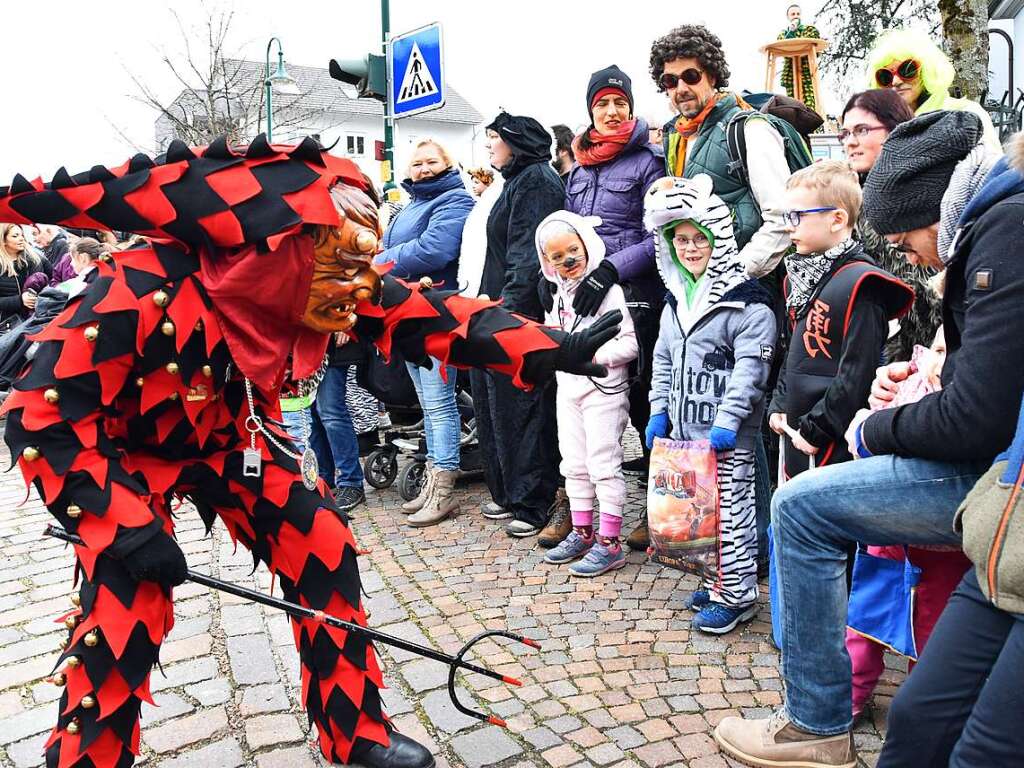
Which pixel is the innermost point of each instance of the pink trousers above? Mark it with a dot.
(941, 571)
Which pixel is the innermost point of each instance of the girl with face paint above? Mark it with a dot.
(591, 414)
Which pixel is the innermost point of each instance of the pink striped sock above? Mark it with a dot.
(582, 518)
(610, 526)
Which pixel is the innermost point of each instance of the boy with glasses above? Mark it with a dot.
(838, 305)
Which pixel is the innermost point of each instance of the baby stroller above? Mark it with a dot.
(391, 384)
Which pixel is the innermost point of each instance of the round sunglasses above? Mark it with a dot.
(907, 70)
(669, 81)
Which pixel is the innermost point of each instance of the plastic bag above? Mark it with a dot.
(682, 506)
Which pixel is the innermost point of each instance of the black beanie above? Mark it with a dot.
(904, 189)
(609, 77)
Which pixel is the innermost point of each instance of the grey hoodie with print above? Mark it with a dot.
(714, 353)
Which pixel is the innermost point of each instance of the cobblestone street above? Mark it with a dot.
(619, 680)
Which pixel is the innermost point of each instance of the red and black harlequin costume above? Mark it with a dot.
(135, 399)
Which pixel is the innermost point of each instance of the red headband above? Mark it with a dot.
(607, 91)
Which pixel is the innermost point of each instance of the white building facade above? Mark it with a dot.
(329, 110)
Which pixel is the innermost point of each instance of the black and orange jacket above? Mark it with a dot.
(835, 345)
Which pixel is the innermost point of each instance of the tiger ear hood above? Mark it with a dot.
(671, 200)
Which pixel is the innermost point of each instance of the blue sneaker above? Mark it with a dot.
(698, 599)
(717, 619)
(600, 559)
(572, 548)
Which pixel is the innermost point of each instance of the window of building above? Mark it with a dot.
(355, 145)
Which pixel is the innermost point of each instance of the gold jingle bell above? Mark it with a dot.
(91, 333)
(160, 298)
(167, 328)
(31, 453)
(58, 679)
(88, 702)
(91, 638)
(207, 371)
(74, 662)
(199, 325)
(172, 368)
(172, 396)
(71, 622)
(72, 727)
(138, 382)
(426, 282)
(76, 599)
(74, 511)
(51, 395)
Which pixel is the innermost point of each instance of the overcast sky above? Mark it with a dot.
(68, 63)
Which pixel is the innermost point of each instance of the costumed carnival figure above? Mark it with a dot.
(794, 29)
(160, 383)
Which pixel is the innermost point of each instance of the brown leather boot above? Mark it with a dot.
(428, 481)
(639, 539)
(775, 741)
(559, 523)
(441, 503)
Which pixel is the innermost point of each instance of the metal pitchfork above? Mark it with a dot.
(454, 663)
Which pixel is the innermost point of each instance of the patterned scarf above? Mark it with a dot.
(686, 129)
(968, 176)
(806, 272)
(604, 147)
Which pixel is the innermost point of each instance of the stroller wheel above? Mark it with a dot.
(380, 468)
(410, 479)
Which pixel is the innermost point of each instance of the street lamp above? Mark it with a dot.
(280, 81)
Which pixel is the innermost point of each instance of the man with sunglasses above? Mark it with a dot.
(689, 65)
(909, 62)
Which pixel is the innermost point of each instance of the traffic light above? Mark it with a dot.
(368, 74)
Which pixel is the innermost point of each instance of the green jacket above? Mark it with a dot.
(710, 155)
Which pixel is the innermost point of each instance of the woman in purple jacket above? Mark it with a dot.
(615, 165)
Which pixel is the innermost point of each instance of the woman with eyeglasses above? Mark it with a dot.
(867, 120)
(909, 62)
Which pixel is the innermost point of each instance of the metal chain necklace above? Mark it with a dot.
(252, 459)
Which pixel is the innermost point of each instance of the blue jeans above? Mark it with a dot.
(815, 518)
(962, 705)
(440, 414)
(333, 436)
(295, 422)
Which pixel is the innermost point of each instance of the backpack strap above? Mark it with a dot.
(736, 145)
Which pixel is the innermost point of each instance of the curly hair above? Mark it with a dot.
(690, 41)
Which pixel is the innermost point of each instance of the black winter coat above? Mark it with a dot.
(511, 270)
(11, 288)
(972, 417)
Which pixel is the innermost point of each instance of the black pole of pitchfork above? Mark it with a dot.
(454, 663)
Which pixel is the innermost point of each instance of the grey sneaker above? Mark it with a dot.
(600, 559)
(492, 511)
(572, 548)
(520, 529)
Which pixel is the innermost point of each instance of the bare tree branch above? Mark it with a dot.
(222, 94)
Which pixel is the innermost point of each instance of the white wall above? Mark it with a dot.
(997, 57)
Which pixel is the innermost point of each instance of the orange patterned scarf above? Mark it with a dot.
(686, 128)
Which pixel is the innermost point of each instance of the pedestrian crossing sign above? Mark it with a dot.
(416, 70)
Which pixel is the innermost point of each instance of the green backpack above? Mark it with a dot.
(798, 154)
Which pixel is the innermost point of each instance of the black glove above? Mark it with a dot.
(158, 558)
(546, 291)
(594, 288)
(576, 354)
